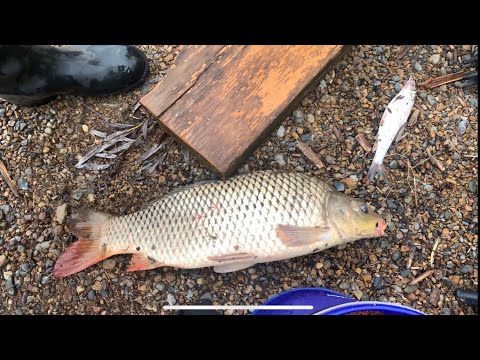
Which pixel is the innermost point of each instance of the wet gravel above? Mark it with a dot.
(425, 208)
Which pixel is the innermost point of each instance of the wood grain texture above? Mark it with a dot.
(223, 102)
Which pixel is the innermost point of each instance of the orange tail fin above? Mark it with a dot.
(87, 225)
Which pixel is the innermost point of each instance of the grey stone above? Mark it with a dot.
(91, 295)
(344, 286)
(423, 95)
(462, 126)
(378, 282)
(396, 78)
(77, 194)
(330, 160)
(206, 296)
(472, 186)
(279, 158)
(410, 289)
(306, 137)
(391, 204)
(398, 87)
(339, 185)
(281, 131)
(393, 164)
(160, 286)
(418, 67)
(298, 116)
(22, 184)
(45, 279)
(434, 59)
(396, 256)
(466, 269)
(431, 100)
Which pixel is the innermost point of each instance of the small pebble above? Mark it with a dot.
(77, 194)
(391, 204)
(109, 264)
(330, 160)
(310, 118)
(418, 67)
(396, 78)
(462, 126)
(431, 100)
(434, 59)
(281, 131)
(339, 186)
(472, 186)
(279, 158)
(398, 87)
(466, 269)
(22, 184)
(410, 289)
(423, 95)
(298, 116)
(393, 164)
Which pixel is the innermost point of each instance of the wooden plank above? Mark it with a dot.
(222, 107)
(190, 63)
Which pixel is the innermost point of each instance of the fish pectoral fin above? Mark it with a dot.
(400, 133)
(235, 266)
(143, 262)
(291, 235)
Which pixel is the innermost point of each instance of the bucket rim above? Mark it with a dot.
(346, 308)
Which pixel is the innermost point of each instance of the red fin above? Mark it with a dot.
(232, 257)
(89, 249)
(292, 235)
(143, 262)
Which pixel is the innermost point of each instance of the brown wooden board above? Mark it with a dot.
(222, 101)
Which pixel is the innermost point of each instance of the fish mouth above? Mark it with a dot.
(381, 226)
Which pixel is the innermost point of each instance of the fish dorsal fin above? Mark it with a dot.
(143, 262)
(293, 236)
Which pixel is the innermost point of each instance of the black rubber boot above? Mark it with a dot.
(34, 75)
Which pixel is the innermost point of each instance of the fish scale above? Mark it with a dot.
(232, 224)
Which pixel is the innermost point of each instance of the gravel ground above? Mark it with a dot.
(425, 207)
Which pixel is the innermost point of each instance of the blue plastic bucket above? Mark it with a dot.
(329, 302)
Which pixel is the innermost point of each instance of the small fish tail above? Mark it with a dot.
(88, 226)
(377, 168)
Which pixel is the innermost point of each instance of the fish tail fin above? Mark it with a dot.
(89, 249)
(377, 168)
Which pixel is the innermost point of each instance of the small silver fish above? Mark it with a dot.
(392, 124)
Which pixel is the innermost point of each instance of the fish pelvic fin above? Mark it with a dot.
(377, 168)
(89, 249)
(143, 262)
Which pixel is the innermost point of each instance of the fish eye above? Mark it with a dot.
(364, 208)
